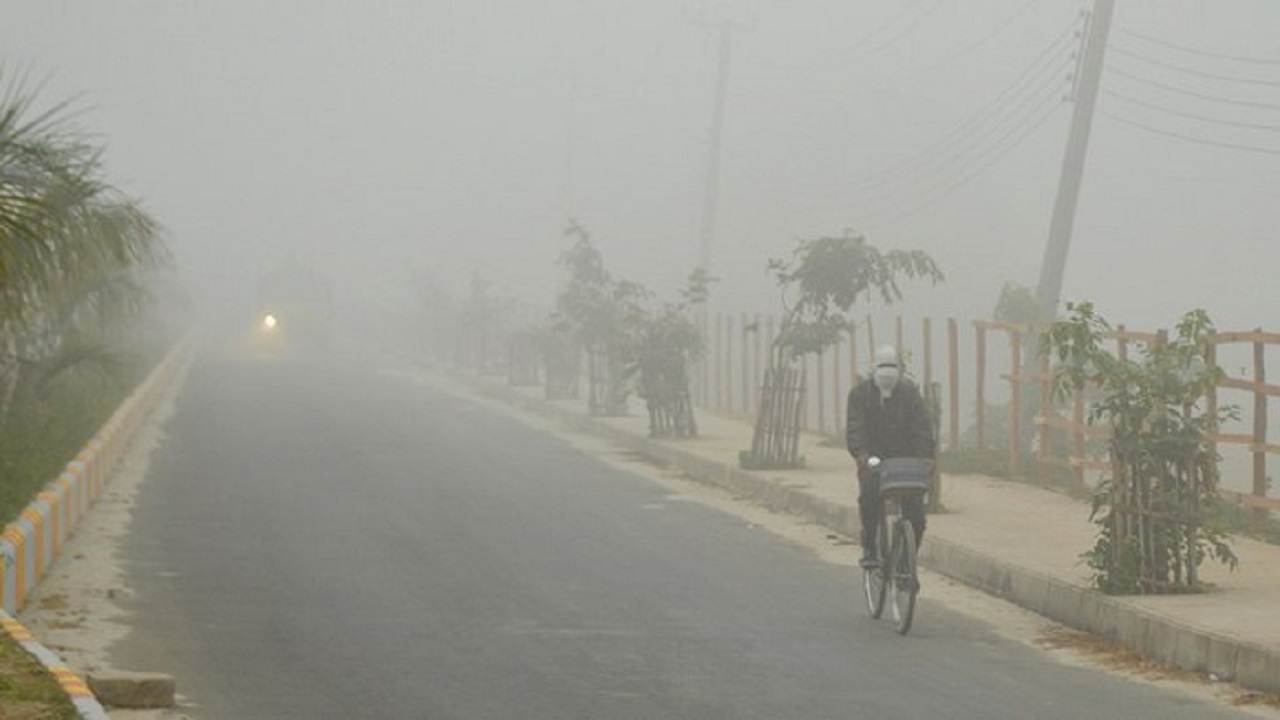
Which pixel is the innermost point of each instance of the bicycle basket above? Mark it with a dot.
(905, 476)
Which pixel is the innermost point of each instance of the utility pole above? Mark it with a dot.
(1088, 78)
(1053, 267)
(712, 196)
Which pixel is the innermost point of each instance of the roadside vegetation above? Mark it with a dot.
(820, 284)
(1155, 512)
(27, 692)
(79, 269)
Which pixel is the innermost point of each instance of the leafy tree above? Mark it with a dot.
(79, 262)
(1154, 513)
(440, 314)
(825, 277)
(59, 218)
(821, 282)
(483, 321)
(604, 315)
(1018, 305)
(668, 343)
(74, 251)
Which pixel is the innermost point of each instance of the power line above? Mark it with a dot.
(1189, 71)
(902, 12)
(1190, 138)
(950, 61)
(1050, 92)
(1196, 51)
(959, 182)
(1036, 76)
(905, 31)
(874, 42)
(1192, 93)
(996, 31)
(953, 175)
(1268, 127)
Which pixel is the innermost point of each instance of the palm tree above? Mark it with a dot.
(71, 245)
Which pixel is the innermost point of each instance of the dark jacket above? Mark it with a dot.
(898, 426)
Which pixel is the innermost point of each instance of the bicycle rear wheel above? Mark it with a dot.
(903, 583)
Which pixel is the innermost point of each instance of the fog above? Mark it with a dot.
(373, 139)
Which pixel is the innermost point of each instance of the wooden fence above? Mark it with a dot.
(983, 382)
(1256, 441)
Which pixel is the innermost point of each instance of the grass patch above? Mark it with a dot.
(36, 445)
(27, 690)
(37, 441)
(44, 433)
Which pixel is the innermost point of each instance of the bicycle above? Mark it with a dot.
(895, 574)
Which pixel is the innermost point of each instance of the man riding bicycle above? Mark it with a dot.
(887, 418)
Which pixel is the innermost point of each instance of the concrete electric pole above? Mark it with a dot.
(1054, 266)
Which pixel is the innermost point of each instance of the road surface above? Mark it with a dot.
(339, 541)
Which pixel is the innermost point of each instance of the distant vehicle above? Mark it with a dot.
(295, 309)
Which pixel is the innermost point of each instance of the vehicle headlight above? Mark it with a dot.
(269, 322)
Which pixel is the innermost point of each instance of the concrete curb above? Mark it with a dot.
(1165, 640)
(30, 545)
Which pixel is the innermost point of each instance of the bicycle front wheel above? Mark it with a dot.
(874, 589)
(904, 583)
(875, 580)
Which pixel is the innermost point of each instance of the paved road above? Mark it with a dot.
(323, 542)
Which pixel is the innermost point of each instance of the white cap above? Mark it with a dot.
(887, 356)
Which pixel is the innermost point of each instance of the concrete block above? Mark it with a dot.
(1258, 668)
(1088, 607)
(1222, 657)
(1190, 649)
(1133, 630)
(1163, 639)
(1109, 618)
(123, 689)
(1057, 601)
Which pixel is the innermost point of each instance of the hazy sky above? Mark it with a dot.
(377, 137)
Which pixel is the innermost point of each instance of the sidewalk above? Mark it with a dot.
(1012, 540)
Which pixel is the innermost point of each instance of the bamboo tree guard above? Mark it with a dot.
(562, 360)
(822, 392)
(980, 384)
(606, 386)
(775, 444)
(523, 367)
(1154, 519)
(953, 360)
(668, 401)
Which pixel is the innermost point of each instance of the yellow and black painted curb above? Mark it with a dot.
(72, 684)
